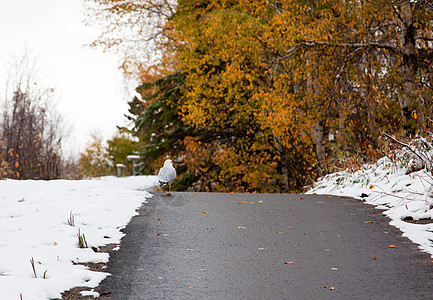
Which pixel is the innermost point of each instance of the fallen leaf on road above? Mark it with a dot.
(166, 234)
(290, 227)
(374, 258)
(241, 227)
(288, 262)
(260, 201)
(368, 222)
(191, 287)
(301, 198)
(261, 248)
(158, 233)
(204, 212)
(392, 246)
(280, 232)
(329, 287)
(334, 269)
(189, 249)
(243, 202)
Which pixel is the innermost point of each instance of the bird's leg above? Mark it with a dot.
(169, 189)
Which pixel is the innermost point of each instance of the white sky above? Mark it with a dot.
(91, 89)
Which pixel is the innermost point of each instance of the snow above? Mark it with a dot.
(40, 221)
(391, 186)
(90, 293)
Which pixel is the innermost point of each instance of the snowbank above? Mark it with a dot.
(387, 185)
(40, 221)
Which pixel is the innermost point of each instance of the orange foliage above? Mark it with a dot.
(270, 86)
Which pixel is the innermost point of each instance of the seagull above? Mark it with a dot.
(167, 174)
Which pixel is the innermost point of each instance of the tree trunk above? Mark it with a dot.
(408, 68)
(320, 147)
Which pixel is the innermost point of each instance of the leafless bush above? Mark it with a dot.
(30, 128)
(419, 154)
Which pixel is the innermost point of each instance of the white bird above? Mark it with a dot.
(167, 174)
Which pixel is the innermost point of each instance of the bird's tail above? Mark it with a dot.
(161, 183)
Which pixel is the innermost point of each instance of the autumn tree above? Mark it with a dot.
(276, 93)
(119, 147)
(95, 160)
(139, 31)
(380, 58)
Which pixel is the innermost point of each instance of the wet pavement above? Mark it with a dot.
(264, 246)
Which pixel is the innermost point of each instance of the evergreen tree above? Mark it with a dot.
(159, 126)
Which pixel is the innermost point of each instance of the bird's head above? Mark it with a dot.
(168, 163)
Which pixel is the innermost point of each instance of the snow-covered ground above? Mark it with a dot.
(40, 222)
(387, 186)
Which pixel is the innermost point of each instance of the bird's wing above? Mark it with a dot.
(172, 174)
(167, 174)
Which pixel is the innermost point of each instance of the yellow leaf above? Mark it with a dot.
(392, 246)
(368, 222)
(243, 202)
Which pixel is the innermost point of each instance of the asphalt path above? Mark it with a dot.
(264, 246)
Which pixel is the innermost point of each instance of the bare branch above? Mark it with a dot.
(423, 159)
(390, 47)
